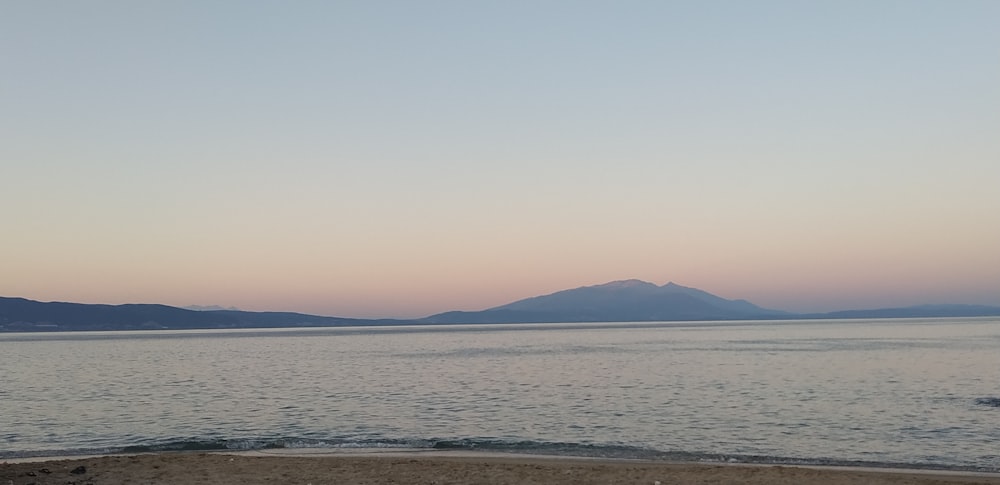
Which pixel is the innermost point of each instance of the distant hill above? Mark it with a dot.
(918, 311)
(618, 301)
(19, 314)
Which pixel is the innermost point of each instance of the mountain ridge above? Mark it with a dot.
(22, 314)
(615, 301)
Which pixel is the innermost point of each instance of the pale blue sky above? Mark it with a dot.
(403, 158)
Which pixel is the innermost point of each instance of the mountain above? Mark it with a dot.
(618, 301)
(19, 314)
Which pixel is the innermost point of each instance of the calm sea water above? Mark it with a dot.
(891, 392)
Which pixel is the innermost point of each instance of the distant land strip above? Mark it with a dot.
(617, 301)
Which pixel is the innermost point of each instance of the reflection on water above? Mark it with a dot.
(884, 391)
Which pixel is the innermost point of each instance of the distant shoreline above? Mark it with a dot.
(617, 301)
(50, 329)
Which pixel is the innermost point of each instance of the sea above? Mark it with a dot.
(908, 393)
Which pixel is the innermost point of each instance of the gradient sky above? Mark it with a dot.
(400, 158)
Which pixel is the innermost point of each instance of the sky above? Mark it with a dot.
(399, 159)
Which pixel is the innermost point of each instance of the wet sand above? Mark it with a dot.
(435, 468)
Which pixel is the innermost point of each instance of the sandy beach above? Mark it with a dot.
(434, 468)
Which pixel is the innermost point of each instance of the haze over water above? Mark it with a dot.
(900, 392)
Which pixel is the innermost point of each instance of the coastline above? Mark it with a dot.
(364, 466)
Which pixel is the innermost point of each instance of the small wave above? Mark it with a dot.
(638, 453)
(276, 443)
(989, 401)
(202, 445)
(499, 445)
(547, 448)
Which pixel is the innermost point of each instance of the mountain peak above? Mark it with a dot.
(630, 283)
(209, 308)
